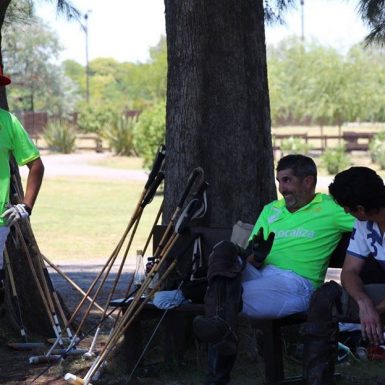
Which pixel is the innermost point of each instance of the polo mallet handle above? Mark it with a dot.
(152, 190)
(71, 282)
(191, 180)
(156, 166)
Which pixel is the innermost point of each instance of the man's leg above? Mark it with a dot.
(222, 306)
(320, 334)
(274, 292)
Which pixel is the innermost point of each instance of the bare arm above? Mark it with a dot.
(371, 326)
(34, 179)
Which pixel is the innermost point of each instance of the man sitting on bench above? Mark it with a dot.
(286, 259)
(361, 192)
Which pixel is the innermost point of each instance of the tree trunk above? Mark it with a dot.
(218, 107)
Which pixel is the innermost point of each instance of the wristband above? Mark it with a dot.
(27, 209)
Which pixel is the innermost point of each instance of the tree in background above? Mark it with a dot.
(38, 84)
(313, 84)
(149, 132)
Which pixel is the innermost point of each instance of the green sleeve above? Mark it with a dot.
(261, 222)
(23, 149)
(343, 220)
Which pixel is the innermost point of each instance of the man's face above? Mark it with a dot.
(362, 215)
(297, 192)
(358, 213)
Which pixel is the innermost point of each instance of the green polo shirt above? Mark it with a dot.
(13, 140)
(305, 238)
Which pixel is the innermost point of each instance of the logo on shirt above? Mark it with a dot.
(276, 213)
(295, 233)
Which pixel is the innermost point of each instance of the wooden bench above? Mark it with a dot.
(176, 326)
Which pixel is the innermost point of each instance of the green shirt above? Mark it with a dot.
(305, 238)
(13, 140)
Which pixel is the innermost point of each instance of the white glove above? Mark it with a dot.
(15, 213)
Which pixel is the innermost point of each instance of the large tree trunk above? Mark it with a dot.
(218, 107)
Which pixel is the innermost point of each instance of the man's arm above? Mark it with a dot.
(371, 326)
(34, 179)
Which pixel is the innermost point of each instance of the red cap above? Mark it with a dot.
(4, 80)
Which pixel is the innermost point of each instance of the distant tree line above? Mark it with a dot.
(316, 85)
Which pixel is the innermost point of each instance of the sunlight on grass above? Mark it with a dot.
(77, 220)
(120, 162)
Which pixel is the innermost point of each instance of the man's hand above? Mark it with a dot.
(15, 213)
(258, 248)
(371, 325)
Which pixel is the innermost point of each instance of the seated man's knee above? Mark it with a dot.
(323, 300)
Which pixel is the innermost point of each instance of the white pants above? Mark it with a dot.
(271, 292)
(4, 231)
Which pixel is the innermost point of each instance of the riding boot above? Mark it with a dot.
(320, 335)
(219, 367)
(222, 305)
(320, 353)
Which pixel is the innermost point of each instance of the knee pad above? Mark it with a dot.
(224, 261)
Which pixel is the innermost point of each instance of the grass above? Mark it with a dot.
(120, 162)
(82, 219)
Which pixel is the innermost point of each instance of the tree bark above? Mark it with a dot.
(218, 107)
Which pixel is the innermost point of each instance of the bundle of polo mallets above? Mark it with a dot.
(40, 275)
(179, 221)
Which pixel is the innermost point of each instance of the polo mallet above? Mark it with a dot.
(109, 263)
(16, 304)
(125, 320)
(90, 353)
(148, 198)
(47, 305)
(166, 274)
(36, 264)
(70, 281)
(15, 298)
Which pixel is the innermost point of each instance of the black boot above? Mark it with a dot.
(320, 353)
(320, 335)
(219, 367)
(222, 305)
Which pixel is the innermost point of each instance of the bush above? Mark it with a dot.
(149, 133)
(119, 134)
(60, 137)
(335, 159)
(294, 145)
(94, 119)
(377, 149)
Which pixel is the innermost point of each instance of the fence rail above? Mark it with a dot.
(354, 141)
(83, 142)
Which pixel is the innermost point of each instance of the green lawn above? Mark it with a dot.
(82, 219)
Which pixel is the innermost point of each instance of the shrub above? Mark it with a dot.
(294, 145)
(60, 137)
(149, 133)
(335, 160)
(377, 149)
(94, 119)
(119, 134)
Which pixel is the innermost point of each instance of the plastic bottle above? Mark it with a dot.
(139, 269)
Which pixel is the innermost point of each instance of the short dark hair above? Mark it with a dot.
(358, 186)
(301, 165)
